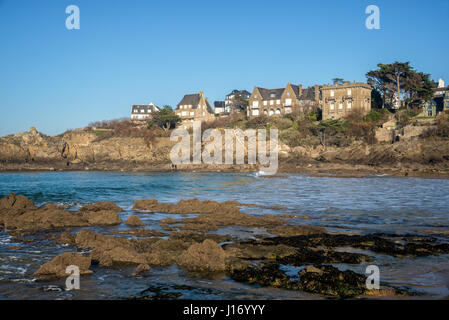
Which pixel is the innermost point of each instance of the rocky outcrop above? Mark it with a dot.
(134, 221)
(40, 219)
(16, 202)
(109, 251)
(103, 218)
(207, 256)
(79, 146)
(141, 269)
(101, 206)
(57, 267)
(18, 212)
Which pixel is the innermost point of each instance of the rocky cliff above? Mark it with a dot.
(80, 147)
(83, 150)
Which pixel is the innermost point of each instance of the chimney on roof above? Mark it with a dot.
(201, 93)
(300, 90)
(317, 94)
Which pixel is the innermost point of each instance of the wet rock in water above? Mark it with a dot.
(187, 206)
(266, 275)
(14, 201)
(15, 248)
(139, 233)
(233, 218)
(101, 206)
(57, 267)
(295, 256)
(134, 221)
(102, 217)
(235, 264)
(141, 269)
(328, 280)
(312, 255)
(145, 204)
(66, 238)
(207, 256)
(166, 252)
(117, 256)
(41, 219)
(394, 245)
(287, 231)
(187, 235)
(258, 251)
(110, 251)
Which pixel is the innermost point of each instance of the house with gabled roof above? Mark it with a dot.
(194, 107)
(283, 101)
(142, 112)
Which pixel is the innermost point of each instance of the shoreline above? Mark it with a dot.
(325, 170)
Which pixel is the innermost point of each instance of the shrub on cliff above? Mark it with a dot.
(126, 128)
(165, 119)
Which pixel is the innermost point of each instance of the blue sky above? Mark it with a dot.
(131, 52)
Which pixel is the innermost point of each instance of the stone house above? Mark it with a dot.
(282, 101)
(142, 112)
(194, 107)
(339, 100)
(236, 101)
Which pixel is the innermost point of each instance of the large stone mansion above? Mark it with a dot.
(194, 107)
(338, 100)
(292, 98)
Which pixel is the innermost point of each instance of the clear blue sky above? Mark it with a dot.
(131, 52)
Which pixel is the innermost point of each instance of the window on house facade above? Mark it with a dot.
(288, 110)
(271, 112)
(332, 93)
(255, 104)
(278, 111)
(256, 112)
(271, 102)
(288, 102)
(349, 92)
(265, 103)
(332, 106)
(349, 105)
(340, 106)
(278, 101)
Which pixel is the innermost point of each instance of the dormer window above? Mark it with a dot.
(272, 95)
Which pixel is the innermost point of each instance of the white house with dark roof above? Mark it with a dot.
(194, 107)
(142, 112)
